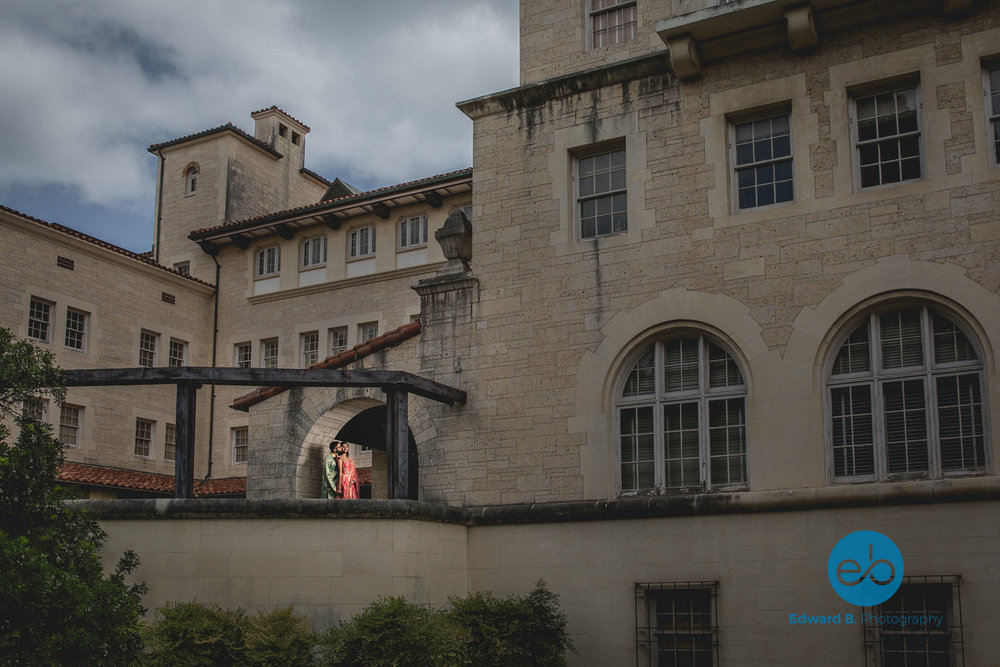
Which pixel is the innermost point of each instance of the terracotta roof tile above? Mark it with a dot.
(135, 480)
(275, 108)
(359, 351)
(329, 203)
(144, 257)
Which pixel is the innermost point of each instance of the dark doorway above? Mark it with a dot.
(368, 430)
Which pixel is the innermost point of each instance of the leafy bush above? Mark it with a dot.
(57, 606)
(279, 637)
(479, 629)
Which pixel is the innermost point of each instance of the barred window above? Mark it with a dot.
(920, 625)
(906, 394)
(682, 418)
(39, 319)
(677, 624)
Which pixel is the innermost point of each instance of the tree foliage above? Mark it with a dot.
(57, 607)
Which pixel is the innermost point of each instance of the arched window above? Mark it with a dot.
(681, 418)
(191, 180)
(905, 393)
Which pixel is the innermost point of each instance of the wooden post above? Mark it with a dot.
(187, 394)
(397, 439)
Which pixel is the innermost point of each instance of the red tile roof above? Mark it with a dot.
(388, 339)
(134, 480)
(274, 108)
(144, 257)
(332, 203)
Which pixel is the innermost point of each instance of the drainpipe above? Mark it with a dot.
(159, 207)
(215, 349)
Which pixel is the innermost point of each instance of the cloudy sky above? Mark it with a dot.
(86, 87)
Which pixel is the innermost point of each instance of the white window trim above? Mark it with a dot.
(306, 251)
(233, 442)
(248, 346)
(78, 426)
(261, 262)
(361, 331)
(172, 359)
(304, 348)
(592, 151)
(592, 14)
(155, 338)
(169, 428)
(877, 377)
(866, 90)
(404, 232)
(739, 119)
(264, 358)
(354, 239)
(191, 174)
(150, 442)
(332, 337)
(50, 308)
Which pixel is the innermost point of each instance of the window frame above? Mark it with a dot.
(404, 229)
(734, 122)
(648, 633)
(151, 349)
(594, 152)
(309, 348)
(355, 242)
(991, 95)
(892, 86)
(191, 180)
(65, 426)
(240, 359)
(362, 333)
(176, 353)
(334, 337)
(80, 332)
(267, 262)
(170, 442)
(877, 634)
(143, 437)
(38, 321)
(660, 398)
(621, 29)
(266, 359)
(876, 378)
(312, 253)
(240, 442)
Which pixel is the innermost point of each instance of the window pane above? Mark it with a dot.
(950, 343)
(727, 440)
(853, 436)
(901, 339)
(681, 364)
(960, 422)
(905, 426)
(722, 368)
(642, 377)
(680, 430)
(636, 447)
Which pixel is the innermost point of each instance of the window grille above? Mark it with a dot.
(904, 629)
(677, 623)
(167, 297)
(65, 263)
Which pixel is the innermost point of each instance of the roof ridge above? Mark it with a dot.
(221, 128)
(69, 231)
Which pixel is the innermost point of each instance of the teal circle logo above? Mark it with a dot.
(865, 568)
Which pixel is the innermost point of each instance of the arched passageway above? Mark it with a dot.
(367, 429)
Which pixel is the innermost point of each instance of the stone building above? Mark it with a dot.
(732, 296)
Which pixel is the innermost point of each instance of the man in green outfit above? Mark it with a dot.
(330, 471)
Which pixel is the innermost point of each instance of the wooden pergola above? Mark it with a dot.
(397, 385)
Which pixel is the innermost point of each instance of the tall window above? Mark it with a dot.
(920, 625)
(169, 442)
(191, 180)
(314, 252)
(602, 200)
(762, 161)
(338, 340)
(888, 136)
(269, 353)
(361, 242)
(177, 351)
(35, 410)
(39, 319)
(612, 22)
(413, 232)
(993, 109)
(677, 624)
(76, 329)
(242, 352)
(241, 443)
(310, 348)
(367, 331)
(147, 348)
(268, 262)
(69, 425)
(906, 393)
(143, 437)
(682, 418)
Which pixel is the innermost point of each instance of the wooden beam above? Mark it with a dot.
(276, 377)
(381, 210)
(434, 198)
(187, 394)
(397, 439)
(208, 248)
(240, 241)
(284, 231)
(331, 220)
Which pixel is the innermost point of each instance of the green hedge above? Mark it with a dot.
(479, 629)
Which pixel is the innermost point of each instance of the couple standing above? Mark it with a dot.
(340, 478)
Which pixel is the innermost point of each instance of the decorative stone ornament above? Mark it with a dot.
(455, 239)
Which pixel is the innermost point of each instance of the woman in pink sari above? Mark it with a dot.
(349, 487)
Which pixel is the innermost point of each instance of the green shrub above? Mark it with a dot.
(192, 633)
(397, 633)
(279, 638)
